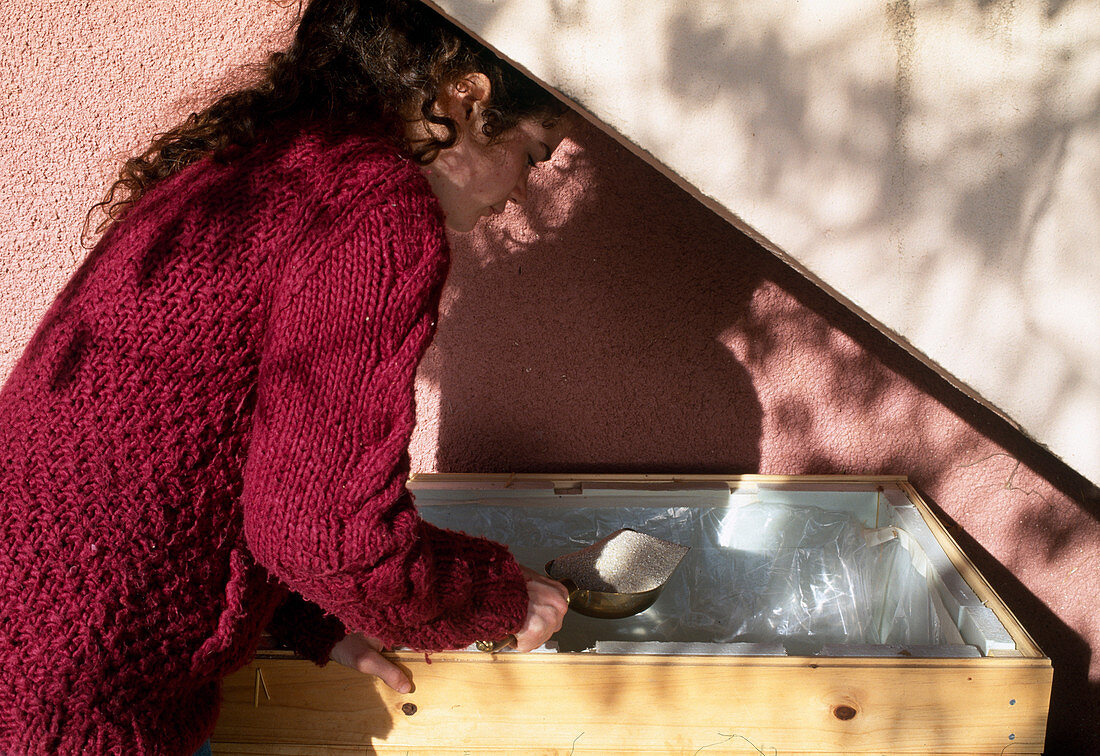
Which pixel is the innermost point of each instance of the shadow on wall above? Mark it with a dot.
(1074, 698)
(775, 86)
(965, 201)
(589, 343)
(619, 326)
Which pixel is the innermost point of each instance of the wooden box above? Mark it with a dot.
(983, 688)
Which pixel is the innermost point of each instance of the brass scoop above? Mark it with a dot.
(618, 576)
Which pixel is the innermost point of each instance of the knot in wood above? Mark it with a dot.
(844, 712)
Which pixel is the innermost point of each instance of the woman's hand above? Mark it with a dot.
(362, 653)
(547, 602)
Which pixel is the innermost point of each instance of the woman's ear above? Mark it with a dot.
(469, 96)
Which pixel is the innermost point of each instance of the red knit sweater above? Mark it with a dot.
(216, 409)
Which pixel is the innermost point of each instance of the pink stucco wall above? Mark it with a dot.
(612, 325)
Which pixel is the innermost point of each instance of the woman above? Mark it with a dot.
(208, 433)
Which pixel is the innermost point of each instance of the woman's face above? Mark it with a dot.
(478, 177)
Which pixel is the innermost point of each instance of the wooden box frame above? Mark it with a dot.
(465, 702)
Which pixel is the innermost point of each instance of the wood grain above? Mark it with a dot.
(467, 702)
(587, 704)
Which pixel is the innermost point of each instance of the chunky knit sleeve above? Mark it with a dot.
(325, 505)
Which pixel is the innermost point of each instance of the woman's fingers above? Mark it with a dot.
(547, 602)
(361, 653)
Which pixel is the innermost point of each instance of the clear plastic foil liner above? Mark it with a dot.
(757, 573)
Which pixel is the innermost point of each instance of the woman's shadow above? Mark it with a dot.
(584, 332)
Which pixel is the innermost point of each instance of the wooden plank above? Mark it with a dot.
(580, 703)
(498, 480)
(248, 749)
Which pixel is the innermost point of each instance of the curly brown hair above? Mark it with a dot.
(353, 65)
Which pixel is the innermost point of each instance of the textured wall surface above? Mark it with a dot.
(82, 86)
(936, 164)
(612, 325)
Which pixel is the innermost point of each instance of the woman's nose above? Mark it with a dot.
(519, 193)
